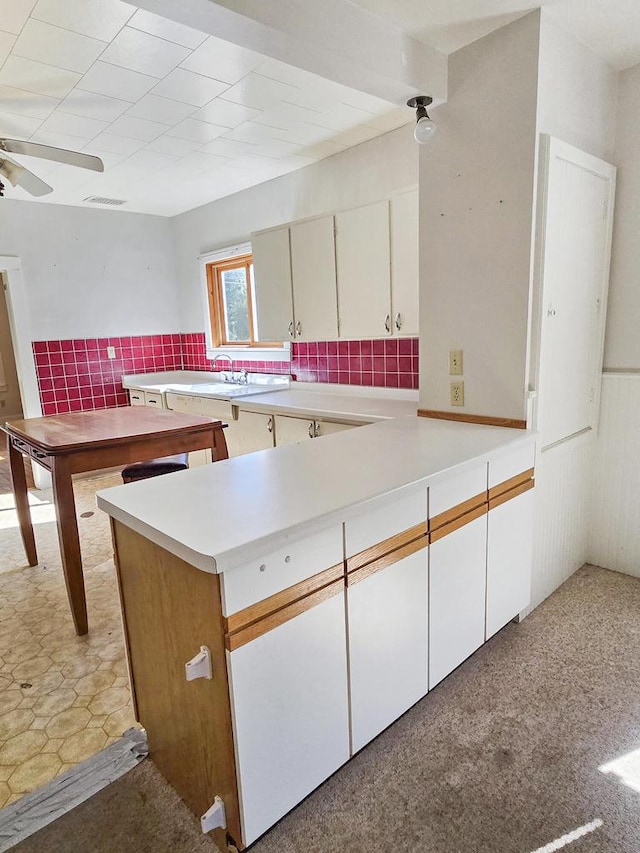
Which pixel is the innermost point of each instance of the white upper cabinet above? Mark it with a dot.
(313, 268)
(273, 287)
(363, 268)
(404, 263)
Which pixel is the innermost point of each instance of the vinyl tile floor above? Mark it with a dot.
(62, 697)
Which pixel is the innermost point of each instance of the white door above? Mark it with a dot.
(404, 263)
(313, 269)
(457, 584)
(572, 297)
(290, 707)
(387, 615)
(272, 283)
(293, 430)
(509, 558)
(255, 432)
(328, 428)
(364, 280)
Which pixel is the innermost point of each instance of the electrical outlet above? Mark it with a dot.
(457, 393)
(111, 352)
(455, 362)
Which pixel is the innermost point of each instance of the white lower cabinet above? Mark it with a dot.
(509, 558)
(387, 645)
(290, 712)
(329, 427)
(293, 430)
(457, 585)
(255, 432)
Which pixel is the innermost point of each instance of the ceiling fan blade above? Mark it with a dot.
(47, 152)
(18, 176)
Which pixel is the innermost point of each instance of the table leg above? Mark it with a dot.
(69, 540)
(220, 450)
(21, 495)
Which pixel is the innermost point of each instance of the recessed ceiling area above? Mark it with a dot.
(180, 118)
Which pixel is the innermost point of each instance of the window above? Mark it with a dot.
(231, 300)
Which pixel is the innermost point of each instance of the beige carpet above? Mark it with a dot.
(511, 752)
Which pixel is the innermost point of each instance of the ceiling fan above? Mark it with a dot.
(18, 175)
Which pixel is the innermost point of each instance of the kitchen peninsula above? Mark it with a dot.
(385, 555)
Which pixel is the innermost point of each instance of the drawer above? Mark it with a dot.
(152, 398)
(218, 409)
(136, 398)
(385, 518)
(179, 402)
(511, 463)
(279, 569)
(457, 493)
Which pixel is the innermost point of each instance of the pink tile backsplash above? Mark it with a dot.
(77, 375)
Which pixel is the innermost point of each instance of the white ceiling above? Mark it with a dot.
(611, 28)
(179, 118)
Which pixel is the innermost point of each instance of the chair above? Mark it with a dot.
(155, 467)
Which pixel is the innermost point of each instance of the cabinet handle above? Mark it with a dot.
(298, 329)
(291, 329)
(387, 322)
(398, 321)
(270, 424)
(311, 430)
(316, 430)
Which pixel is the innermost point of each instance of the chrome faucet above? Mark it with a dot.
(229, 359)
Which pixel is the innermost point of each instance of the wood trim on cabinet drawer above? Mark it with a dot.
(512, 493)
(370, 555)
(388, 559)
(511, 483)
(274, 620)
(255, 612)
(457, 511)
(457, 523)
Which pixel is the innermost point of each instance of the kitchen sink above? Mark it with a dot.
(223, 389)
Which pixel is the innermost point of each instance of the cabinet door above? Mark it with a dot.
(313, 269)
(457, 583)
(509, 557)
(327, 428)
(255, 432)
(136, 397)
(220, 410)
(387, 615)
(404, 263)
(180, 402)
(293, 430)
(272, 282)
(291, 721)
(362, 261)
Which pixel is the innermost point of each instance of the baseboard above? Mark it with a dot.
(463, 417)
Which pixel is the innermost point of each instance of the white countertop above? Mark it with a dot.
(218, 516)
(330, 404)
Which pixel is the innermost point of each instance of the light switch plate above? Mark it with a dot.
(111, 352)
(455, 362)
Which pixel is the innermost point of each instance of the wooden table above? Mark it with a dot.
(78, 442)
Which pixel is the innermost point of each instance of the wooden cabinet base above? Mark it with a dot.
(169, 610)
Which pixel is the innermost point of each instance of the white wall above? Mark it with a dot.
(368, 172)
(476, 208)
(92, 273)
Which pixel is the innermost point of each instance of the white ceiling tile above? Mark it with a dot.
(26, 103)
(320, 150)
(116, 82)
(311, 91)
(278, 148)
(391, 119)
(160, 109)
(7, 41)
(172, 145)
(229, 147)
(286, 116)
(59, 140)
(306, 134)
(145, 53)
(225, 113)
(18, 127)
(340, 117)
(116, 144)
(137, 128)
(260, 92)
(58, 47)
(355, 135)
(92, 105)
(36, 77)
(251, 132)
(101, 19)
(166, 29)
(14, 14)
(189, 88)
(73, 125)
(222, 60)
(196, 131)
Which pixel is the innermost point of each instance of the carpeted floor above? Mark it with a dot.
(505, 756)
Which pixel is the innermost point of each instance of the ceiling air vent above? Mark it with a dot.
(96, 199)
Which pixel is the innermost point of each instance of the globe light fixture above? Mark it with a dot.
(425, 128)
